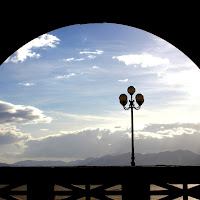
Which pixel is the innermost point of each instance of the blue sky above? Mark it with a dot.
(64, 87)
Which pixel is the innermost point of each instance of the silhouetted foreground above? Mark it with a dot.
(50, 183)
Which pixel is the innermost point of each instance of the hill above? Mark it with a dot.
(179, 157)
(34, 163)
(4, 165)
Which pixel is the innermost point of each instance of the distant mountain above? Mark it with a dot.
(81, 162)
(179, 157)
(4, 165)
(34, 163)
(108, 160)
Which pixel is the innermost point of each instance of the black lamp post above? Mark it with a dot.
(123, 100)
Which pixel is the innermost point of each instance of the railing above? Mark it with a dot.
(91, 183)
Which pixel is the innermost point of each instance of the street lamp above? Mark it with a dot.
(123, 100)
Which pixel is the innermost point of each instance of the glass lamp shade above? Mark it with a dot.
(131, 90)
(139, 99)
(123, 99)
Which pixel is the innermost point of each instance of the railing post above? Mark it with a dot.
(185, 191)
(40, 191)
(87, 188)
(135, 191)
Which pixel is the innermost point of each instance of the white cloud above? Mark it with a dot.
(82, 144)
(80, 59)
(20, 114)
(10, 134)
(83, 117)
(99, 142)
(91, 56)
(161, 131)
(66, 76)
(95, 67)
(44, 129)
(73, 59)
(26, 51)
(125, 80)
(68, 59)
(187, 80)
(167, 137)
(92, 52)
(97, 52)
(145, 60)
(27, 84)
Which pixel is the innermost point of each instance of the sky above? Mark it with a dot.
(59, 95)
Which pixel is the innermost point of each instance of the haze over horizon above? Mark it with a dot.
(59, 95)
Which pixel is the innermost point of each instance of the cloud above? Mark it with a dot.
(80, 59)
(10, 134)
(99, 142)
(81, 144)
(187, 80)
(73, 59)
(117, 127)
(95, 67)
(97, 52)
(66, 76)
(125, 80)
(145, 60)
(82, 117)
(168, 137)
(92, 52)
(91, 56)
(68, 59)
(161, 131)
(27, 84)
(175, 136)
(20, 114)
(170, 126)
(26, 51)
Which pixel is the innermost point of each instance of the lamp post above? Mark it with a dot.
(123, 100)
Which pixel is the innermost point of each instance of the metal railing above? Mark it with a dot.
(91, 183)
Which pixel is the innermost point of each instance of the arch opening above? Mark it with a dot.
(59, 97)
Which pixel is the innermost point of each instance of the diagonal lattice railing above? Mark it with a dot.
(93, 183)
(166, 191)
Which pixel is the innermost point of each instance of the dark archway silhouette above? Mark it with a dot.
(182, 35)
(179, 30)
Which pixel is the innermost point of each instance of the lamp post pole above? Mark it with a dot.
(132, 134)
(140, 100)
